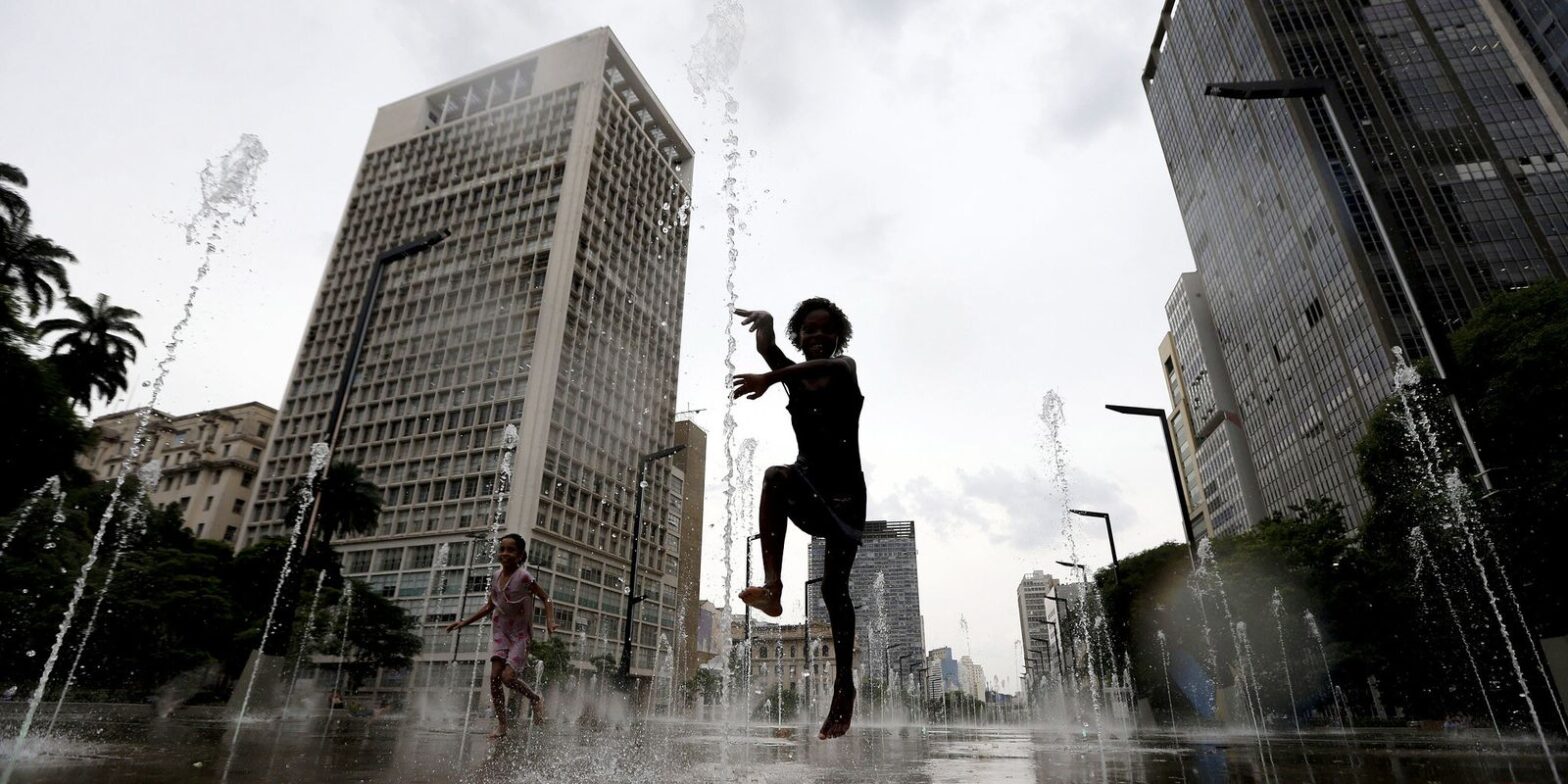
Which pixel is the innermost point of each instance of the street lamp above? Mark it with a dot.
(462, 596)
(1341, 122)
(1116, 566)
(749, 540)
(356, 345)
(806, 596)
(287, 606)
(1084, 570)
(632, 597)
(1170, 452)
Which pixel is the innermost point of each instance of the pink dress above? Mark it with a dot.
(512, 622)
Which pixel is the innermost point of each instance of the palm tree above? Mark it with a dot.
(95, 348)
(11, 202)
(31, 267)
(350, 503)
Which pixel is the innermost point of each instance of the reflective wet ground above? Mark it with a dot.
(119, 746)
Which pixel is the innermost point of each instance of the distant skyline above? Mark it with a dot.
(996, 219)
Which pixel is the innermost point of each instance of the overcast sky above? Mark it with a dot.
(977, 183)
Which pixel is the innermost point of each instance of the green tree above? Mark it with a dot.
(349, 503)
(705, 684)
(32, 268)
(44, 434)
(94, 348)
(381, 636)
(1512, 376)
(12, 205)
(556, 655)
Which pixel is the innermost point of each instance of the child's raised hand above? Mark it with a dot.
(752, 385)
(454, 626)
(761, 323)
(549, 626)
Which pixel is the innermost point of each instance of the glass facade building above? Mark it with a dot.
(554, 306)
(1465, 156)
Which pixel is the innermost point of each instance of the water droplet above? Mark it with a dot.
(31, 654)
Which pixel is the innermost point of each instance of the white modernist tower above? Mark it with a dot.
(554, 306)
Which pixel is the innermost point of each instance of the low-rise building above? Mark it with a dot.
(209, 461)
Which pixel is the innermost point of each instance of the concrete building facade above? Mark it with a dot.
(1211, 441)
(779, 659)
(554, 306)
(691, 475)
(889, 550)
(1465, 156)
(209, 458)
(1034, 610)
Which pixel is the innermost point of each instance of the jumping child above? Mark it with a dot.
(823, 491)
(511, 598)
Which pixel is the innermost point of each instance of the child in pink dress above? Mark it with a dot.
(511, 600)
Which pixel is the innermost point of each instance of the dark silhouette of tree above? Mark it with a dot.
(32, 268)
(12, 205)
(350, 503)
(94, 348)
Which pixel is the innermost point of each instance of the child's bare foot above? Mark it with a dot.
(500, 732)
(538, 706)
(765, 598)
(839, 715)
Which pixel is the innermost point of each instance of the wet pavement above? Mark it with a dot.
(122, 746)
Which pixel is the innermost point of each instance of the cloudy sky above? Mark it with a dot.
(977, 183)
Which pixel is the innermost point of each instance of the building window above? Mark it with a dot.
(263, 429)
(255, 453)
(239, 505)
(208, 505)
(229, 532)
(185, 503)
(246, 479)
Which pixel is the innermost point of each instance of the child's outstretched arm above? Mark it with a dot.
(549, 609)
(752, 385)
(761, 324)
(483, 611)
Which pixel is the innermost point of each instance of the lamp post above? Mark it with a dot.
(1170, 452)
(632, 597)
(749, 540)
(356, 345)
(286, 608)
(806, 635)
(1064, 619)
(1341, 122)
(1116, 565)
(1045, 663)
(462, 596)
(1082, 570)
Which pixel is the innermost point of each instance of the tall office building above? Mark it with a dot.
(888, 549)
(690, 477)
(1034, 611)
(1215, 457)
(555, 306)
(1307, 304)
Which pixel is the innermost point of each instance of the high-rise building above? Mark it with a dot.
(554, 306)
(1466, 159)
(689, 479)
(971, 679)
(1034, 611)
(888, 550)
(941, 673)
(1216, 461)
(209, 459)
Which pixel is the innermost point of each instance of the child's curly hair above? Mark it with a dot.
(804, 309)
